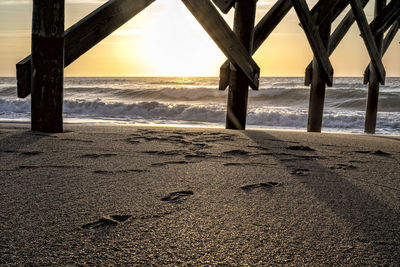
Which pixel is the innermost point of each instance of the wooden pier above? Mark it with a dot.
(41, 74)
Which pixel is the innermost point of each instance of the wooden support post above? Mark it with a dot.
(85, 34)
(47, 65)
(369, 39)
(335, 39)
(315, 40)
(373, 85)
(215, 25)
(261, 32)
(318, 85)
(245, 11)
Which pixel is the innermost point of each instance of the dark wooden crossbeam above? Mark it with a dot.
(336, 7)
(85, 34)
(208, 16)
(369, 40)
(386, 18)
(314, 38)
(336, 37)
(261, 32)
(386, 43)
(224, 5)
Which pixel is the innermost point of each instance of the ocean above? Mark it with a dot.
(281, 103)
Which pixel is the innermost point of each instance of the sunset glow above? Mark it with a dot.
(166, 40)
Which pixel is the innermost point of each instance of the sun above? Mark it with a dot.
(175, 44)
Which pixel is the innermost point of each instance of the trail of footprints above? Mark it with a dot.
(176, 197)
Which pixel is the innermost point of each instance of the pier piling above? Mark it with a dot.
(47, 65)
(373, 84)
(245, 11)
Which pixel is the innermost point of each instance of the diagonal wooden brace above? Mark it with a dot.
(386, 18)
(369, 40)
(224, 5)
(261, 32)
(85, 34)
(225, 38)
(335, 39)
(314, 38)
(386, 43)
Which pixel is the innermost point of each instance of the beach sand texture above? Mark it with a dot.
(115, 195)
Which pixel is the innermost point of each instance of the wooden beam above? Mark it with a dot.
(335, 8)
(225, 38)
(47, 65)
(314, 38)
(243, 26)
(261, 32)
(369, 40)
(386, 18)
(85, 34)
(386, 43)
(224, 5)
(373, 81)
(318, 85)
(336, 37)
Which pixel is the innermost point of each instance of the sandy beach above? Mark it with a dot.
(115, 195)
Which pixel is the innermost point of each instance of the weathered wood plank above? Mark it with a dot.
(373, 84)
(386, 43)
(318, 85)
(314, 38)
(334, 8)
(225, 38)
(47, 65)
(224, 5)
(261, 32)
(369, 40)
(336, 37)
(85, 34)
(245, 13)
(386, 18)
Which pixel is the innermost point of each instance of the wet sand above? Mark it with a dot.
(107, 195)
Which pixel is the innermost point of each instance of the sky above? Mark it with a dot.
(166, 40)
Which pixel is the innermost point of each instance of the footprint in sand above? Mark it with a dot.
(301, 172)
(377, 153)
(260, 185)
(161, 164)
(30, 153)
(300, 148)
(107, 221)
(341, 166)
(236, 152)
(177, 196)
(95, 156)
